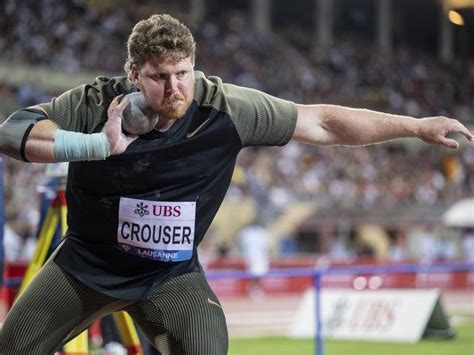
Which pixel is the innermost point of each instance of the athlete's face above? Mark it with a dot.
(168, 86)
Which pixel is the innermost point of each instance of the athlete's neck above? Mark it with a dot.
(164, 124)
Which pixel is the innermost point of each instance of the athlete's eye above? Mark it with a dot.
(158, 77)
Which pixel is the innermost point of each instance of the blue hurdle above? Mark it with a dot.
(318, 274)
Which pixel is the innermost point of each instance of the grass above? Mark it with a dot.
(463, 344)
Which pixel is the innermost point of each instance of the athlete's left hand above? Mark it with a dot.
(435, 129)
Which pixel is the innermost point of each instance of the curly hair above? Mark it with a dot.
(160, 36)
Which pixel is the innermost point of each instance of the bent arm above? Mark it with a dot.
(338, 125)
(38, 139)
(24, 123)
(39, 147)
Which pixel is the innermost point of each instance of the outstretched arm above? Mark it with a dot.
(338, 125)
(46, 143)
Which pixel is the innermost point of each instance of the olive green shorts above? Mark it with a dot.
(182, 317)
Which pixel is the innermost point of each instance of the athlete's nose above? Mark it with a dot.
(171, 84)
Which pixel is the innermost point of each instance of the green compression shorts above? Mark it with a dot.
(182, 317)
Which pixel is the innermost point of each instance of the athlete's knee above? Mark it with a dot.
(209, 340)
(214, 345)
(29, 329)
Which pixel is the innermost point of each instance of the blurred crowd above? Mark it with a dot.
(72, 36)
(336, 181)
(66, 35)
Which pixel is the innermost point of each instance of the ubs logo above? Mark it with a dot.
(141, 210)
(166, 211)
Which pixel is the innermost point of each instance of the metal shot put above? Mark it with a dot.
(138, 118)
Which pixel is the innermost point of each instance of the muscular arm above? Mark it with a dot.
(337, 125)
(39, 146)
(41, 141)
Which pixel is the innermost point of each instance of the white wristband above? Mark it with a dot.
(75, 146)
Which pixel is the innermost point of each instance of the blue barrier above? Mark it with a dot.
(318, 273)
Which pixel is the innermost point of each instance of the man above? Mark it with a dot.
(254, 246)
(139, 206)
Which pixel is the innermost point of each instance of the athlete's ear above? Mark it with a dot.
(135, 76)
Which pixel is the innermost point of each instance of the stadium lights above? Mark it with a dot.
(456, 18)
(458, 4)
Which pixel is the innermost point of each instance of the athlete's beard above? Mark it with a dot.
(173, 113)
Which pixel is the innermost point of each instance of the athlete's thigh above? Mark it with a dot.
(184, 317)
(52, 308)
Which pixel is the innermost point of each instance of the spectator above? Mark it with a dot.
(254, 245)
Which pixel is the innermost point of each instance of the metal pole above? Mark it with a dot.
(384, 25)
(446, 34)
(197, 11)
(319, 344)
(323, 26)
(261, 16)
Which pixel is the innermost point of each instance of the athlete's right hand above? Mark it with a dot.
(113, 127)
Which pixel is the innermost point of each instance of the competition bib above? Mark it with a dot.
(157, 230)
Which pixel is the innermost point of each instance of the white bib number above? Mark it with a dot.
(157, 230)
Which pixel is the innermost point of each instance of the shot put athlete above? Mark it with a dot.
(138, 206)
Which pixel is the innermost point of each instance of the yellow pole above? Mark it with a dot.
(78, 346)
(128, 333)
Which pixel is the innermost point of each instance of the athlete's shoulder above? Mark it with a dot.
(103, 90)
(213, 91)
(206, 88)
(84, 108)
(260, 118)
(117, 85)
(101, 87)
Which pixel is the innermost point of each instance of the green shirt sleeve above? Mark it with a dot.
(260, 119)
(84, 108)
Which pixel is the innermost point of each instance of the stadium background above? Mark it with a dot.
(320, 205)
